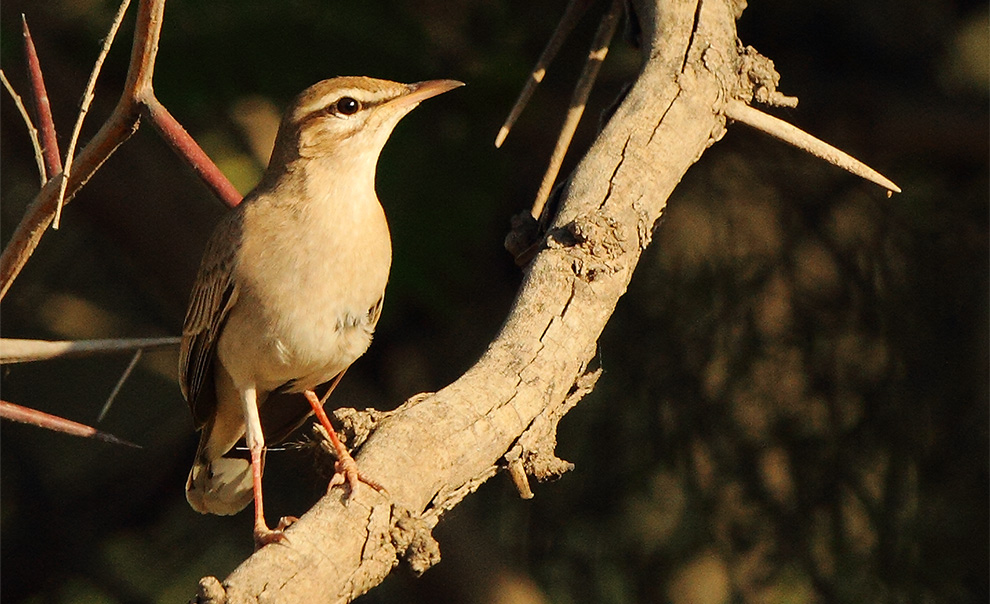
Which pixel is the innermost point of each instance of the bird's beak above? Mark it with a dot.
(420, 91)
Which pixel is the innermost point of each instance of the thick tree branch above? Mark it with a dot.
(437, 448)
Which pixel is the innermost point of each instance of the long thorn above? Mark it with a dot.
(43, 109)
(573, 12)
(26, 415)
(599, 48)
(87, 100)
(778, 128)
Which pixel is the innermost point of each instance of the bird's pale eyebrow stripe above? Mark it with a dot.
(364, 105)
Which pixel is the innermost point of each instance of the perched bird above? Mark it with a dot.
(290, 289)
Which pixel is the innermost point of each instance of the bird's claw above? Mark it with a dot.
(346, 470)
(264, 536)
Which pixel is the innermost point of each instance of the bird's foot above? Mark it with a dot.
(264, 536)
(346, 470)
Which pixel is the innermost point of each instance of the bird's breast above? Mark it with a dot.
(308, 286)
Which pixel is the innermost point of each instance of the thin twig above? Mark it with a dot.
(119, 385)
(43, 108)
(573, 12)
(779, 129)
(26, 415)
(87, 99)
(32, 131)
(599, 48)
(25, 351)
(187, 148)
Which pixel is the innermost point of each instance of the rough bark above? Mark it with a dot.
(437, 448)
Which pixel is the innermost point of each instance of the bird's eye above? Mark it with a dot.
(347, 106)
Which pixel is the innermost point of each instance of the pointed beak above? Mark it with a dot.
(420, 91)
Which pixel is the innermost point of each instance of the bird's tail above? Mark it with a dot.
(219, 486)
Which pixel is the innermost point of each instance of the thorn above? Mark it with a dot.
(519, 478)
(43, 108)
(573, 12)
(599, 49)
(120, 384)
(26, 415)
(87, 100)
(778, 128)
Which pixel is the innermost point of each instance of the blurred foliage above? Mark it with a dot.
(794, 403)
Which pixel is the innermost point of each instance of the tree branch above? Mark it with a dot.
(536, 367)
(123, 121)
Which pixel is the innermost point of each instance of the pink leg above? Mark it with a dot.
(345, 468)
(256, 444)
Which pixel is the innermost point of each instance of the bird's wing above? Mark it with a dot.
(214, 294)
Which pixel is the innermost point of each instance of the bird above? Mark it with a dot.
(290, 289)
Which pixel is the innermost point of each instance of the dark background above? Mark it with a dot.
(794, 399)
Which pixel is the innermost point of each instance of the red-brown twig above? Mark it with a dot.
(186, 147)
(41, 419)
(43, 109)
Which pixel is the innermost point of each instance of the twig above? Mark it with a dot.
(120, 384)
(43, 108)
(25, 351)
(87, 99)
(25, 415)
(573, 12)
(599, 48)
(32, 131)
(779, 129)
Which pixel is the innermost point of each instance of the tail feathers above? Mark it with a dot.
(222, 486)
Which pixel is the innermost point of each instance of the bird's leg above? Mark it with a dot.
(345, 467)
(256, 444)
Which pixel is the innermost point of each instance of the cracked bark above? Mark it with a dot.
(436, 449)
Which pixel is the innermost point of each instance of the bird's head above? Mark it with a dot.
(348, 116)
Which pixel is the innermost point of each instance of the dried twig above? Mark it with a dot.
(120, 384)
(573, 12)
(32, 131)
(87, 99)
(41, 419)
(49, 142)
(25, 351)
(599, 48)
(778, 128)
